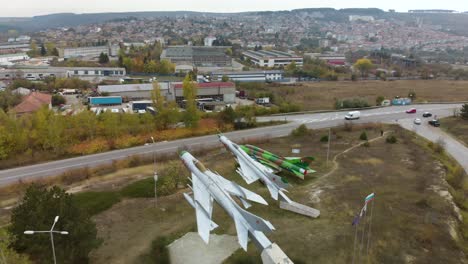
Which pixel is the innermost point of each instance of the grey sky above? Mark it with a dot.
(12, 8)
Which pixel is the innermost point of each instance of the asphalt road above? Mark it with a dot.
(320, 120)
(456, 149)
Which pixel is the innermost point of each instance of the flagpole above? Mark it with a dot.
(363, 232)
(369, 232)
(354, 244)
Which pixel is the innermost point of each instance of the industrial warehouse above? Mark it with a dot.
(272, 58)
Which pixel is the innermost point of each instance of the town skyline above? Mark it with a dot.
(29, 8)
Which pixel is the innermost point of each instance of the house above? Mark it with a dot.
(33, 102)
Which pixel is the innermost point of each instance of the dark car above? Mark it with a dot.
(427, 114)
(434, 123)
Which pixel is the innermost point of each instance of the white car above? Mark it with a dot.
(417, 121)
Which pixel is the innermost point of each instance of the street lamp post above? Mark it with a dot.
(51, 232)
(155, 176)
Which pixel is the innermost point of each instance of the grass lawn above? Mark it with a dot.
(457, 127)
(322, 95)
(412, 220)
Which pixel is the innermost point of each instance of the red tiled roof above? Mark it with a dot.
(209, 85)
(33, 102)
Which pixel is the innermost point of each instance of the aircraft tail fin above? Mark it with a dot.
(258, 223)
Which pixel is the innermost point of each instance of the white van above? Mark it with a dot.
(353, 115)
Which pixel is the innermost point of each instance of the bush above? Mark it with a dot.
(366, 144)
(324, 138)
(351, 103)
(301, 131)
(363, 136)
(391, 139)
(57, 100)
(379, 100)
(158, 252)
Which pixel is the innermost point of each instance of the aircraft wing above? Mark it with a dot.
(203, 208)
(245, 171)
(234, 189)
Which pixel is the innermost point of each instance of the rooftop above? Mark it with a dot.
(209, 85)
(269, 54)
(130, 87)
(33, 102)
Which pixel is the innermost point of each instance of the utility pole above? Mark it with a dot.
(328, 149)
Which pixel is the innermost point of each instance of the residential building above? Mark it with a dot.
(272, 58)
(354, 18)
(89, 52)
(32, 103)
(197, 56)
(249, 76)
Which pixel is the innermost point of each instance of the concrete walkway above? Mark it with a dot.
(452, 146)
(190, 249)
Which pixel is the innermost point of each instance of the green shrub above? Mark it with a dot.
(301, 131)
(363, 136)
(96, 202)
(158, 252)
(367, 144)
(351, 103)
(324, 138)
(391, 139)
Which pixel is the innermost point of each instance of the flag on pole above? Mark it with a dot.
(369, 198)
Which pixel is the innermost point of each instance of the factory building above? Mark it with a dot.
(216, 91)
(272, 58)
(134, 91)
(7, 59)
(249, 76)
(84, 73)
(197, 56)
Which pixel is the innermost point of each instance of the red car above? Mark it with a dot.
(411, 111)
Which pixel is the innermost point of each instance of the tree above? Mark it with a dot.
(103, 58)
(464, 111)
(191, 115)
(57, 100)
(55, 52)
(34, 50)
(291, 67)
(43, 50)
(37, 211)
(379, 100)
(363, 65)
(50, 47)
(166, 67)
(8, 254)
(225, 78)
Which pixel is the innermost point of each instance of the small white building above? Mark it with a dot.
(209, 41)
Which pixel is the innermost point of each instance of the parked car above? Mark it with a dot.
(411, 111)
(417, 121)
(434, 123)
(353, 115)
(427, 114)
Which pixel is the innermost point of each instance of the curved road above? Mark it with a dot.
(319, 120)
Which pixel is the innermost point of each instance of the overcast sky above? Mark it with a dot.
(11, 8)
